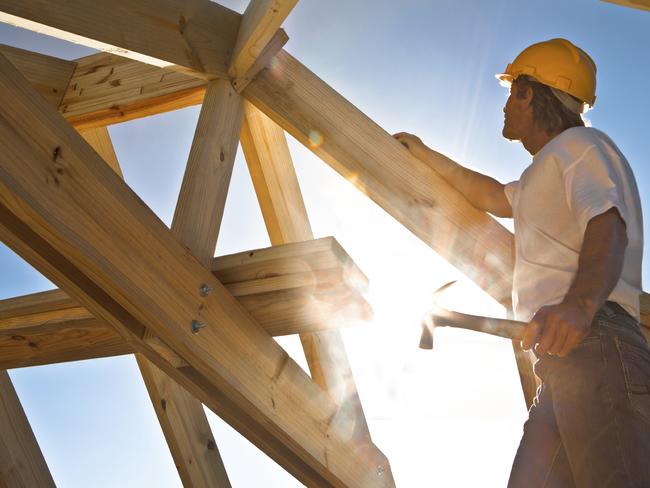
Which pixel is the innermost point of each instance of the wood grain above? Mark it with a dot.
(260, 22)
(196, 36)
(21, 460)
(54, 196)
(276, 184)
(289, 289)
(181, 416)
(49, 75)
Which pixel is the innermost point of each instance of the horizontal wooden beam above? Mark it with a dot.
(306, 286)
(54, 195)
(108, 89)
(195, 36)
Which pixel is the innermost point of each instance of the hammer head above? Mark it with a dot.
(426, 339)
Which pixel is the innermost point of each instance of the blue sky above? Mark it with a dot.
(450, 417)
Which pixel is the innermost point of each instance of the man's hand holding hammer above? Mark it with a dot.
(557, 329)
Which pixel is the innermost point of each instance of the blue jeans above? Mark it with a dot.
(589, 425)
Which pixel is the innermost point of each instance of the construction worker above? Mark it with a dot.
(577, 276)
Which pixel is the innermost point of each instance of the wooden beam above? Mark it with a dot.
(260, 22)
(202, 198)
(274, 178)
(107, 89)
(195, 36)
(186, 429)
(54, 196)
(100, 140)
(302, 287)
(384, 170)
(49, 75)
(21, 460)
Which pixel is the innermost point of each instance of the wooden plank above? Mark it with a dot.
(288, 289)
(21, 460)
(49, 75)
(260, 22)
(58, 342)
(276, 184)
(202, 198)
(195, 36)
(100, 140)
(186, 429)
(274, 178)
(127, 268)
(108, 89)
(374, 162)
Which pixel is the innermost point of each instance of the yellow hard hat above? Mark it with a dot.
(557, 63)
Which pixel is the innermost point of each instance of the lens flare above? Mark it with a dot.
(316, 139)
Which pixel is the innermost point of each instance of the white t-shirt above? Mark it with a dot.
(578, 175)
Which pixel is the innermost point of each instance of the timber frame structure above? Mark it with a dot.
(202, 327)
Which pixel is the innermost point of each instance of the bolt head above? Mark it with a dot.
(205, 289)
(196, 326)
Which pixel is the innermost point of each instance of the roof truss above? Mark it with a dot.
(74, 246)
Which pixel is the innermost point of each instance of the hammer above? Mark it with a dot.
(440, 317)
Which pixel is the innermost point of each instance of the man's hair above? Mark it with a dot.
(549, 113)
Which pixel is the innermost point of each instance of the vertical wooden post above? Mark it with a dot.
(269, 161)
(21, 460)
(196, 223)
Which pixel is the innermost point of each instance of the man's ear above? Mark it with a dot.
(528, 97)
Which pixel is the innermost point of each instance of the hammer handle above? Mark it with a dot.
(510, 329)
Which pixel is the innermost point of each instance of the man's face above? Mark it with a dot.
(517, 115)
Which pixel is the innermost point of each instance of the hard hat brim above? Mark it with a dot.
(505, 79)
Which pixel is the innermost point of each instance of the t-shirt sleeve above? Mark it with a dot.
(592, 186)
(509, 189)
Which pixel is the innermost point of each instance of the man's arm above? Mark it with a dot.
(483, 192)
(557, 329)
